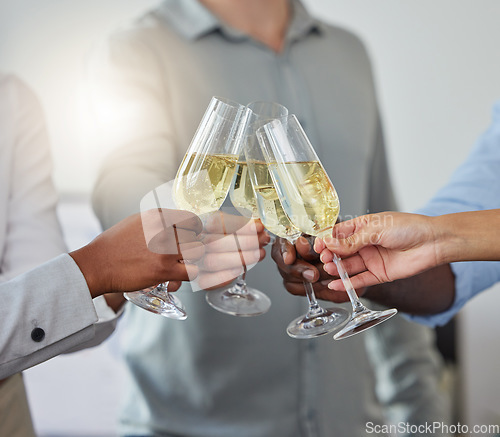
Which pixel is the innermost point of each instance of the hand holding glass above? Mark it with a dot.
(203, 182)
(310, 201)
(260, 160)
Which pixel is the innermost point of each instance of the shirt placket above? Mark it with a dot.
(292, 90)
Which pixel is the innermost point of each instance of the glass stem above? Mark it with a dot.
(240, 286)
(357, 306)
(314, 308)
(161, 292)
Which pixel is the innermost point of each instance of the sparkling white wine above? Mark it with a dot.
(242, 194)
(269, 207)
(202, 185)
(272, 215)
(308, 196)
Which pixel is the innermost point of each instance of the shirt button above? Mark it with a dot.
(38, 334)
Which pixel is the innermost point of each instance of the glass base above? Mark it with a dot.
(327, 321)
(252, 302)
(362, 321)
(159, 302)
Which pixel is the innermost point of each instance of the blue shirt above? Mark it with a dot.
(475, 185)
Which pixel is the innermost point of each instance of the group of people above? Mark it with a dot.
(217, 375)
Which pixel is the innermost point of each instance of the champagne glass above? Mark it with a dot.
(317, 321)
(310, 201)
(240, 299)
(204, 178)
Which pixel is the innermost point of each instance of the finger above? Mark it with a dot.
(287, 251)
(352, 265)
(320, 290)
(326, 256)
(182, 220)
(168, 241)
(264, 239)
(173, 286)
(361, 280)
(230, 243)
(304, 248)
(323, 274)
(192, 252)
(335, 296)
(177, 271)
(223, 223)
(344, 229)
(351, 236)
(228, 260)
(301, 271)
(319, 245)
(155, 221)
(210, 280)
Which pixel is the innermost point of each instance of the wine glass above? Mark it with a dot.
(317, 321)
(240, 299)
(310, 201)
(203, 181)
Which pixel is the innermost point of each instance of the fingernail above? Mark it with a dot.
(285, 254)
(330, 285)
(308, 275)
(329, 240)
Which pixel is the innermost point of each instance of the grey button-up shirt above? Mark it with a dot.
(220, 376)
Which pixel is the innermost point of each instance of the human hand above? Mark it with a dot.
(233, 244)
(380, 248)
(141, 251)
(298, 263)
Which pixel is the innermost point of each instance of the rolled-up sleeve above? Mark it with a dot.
(474, 186)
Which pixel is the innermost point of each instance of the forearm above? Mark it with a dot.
(468, 236)
(430, 292)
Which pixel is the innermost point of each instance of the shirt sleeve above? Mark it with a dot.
(44, 312)
(474, 186)
(32, 233)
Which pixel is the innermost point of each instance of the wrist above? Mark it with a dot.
(85, 261)
(448, 240)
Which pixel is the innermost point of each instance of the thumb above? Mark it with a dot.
(345, 246)
(361, 236)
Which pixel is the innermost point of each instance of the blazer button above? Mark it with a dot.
(38, 334)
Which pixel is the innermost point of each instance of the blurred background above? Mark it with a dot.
(438, 75)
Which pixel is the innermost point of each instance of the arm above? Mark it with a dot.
(474, 186)
(49, 310)
(389, 246)
(32, 231)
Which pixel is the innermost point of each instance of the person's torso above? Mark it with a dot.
(217, 375)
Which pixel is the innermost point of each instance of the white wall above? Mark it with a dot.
(46, 42)
(438, 69)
